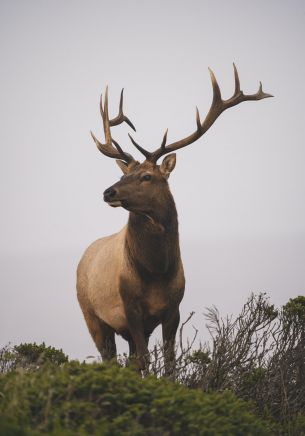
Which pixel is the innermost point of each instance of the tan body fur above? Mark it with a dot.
(98, 286)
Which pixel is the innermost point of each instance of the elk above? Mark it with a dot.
(132, 281)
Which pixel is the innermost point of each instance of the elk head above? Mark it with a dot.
(144, 185)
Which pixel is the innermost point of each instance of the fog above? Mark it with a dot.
(239, 190)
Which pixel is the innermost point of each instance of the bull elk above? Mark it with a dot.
(130, 282)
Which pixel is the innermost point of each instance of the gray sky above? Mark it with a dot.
(239, 190)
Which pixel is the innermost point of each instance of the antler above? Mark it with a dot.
(217, 107)
(107, 148)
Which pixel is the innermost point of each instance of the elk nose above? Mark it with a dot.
(109, 194)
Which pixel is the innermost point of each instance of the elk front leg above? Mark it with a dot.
(132, 346)
(134, 315)
(102, 334)
(169, 329)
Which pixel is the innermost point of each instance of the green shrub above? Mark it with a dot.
(29, 356)
(109, 400)
(33, 354)
(9, 428)
(256, 358)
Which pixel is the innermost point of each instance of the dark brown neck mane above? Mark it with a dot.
(152, 240)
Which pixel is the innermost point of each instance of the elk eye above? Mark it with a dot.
(146, 177)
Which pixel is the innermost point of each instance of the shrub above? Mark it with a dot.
(29, 356)
(256, 358)
(110, 400)
(259, 355)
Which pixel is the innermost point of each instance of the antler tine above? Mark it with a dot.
(106, 119)
(120, 118)
(198, 122)
(146, 153)
(237, 82)
(149, 156)
(216, 90)
(218, 105)
(118, 147)
(110, 151)
(164, 139)
(239, 96)
(107, 149)
(101, 106)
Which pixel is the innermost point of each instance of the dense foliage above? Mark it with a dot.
(250, 380)
(109, 400)
(29, 356)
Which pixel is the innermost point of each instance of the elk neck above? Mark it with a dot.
(152, 240)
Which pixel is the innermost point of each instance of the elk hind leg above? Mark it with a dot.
(102, 334)
(169, 329)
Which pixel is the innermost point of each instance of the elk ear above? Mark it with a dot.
(123, 165)
(168, 164)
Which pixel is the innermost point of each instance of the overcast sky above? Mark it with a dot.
(239, 190)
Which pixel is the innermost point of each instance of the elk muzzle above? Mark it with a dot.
(110, 197)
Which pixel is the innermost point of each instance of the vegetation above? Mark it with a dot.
(29, 356)
(104, 399)
(250, 380)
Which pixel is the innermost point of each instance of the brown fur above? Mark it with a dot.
(130, 282)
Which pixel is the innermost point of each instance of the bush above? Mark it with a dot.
(29, 356)
(259, 355)
(256, 358)
(109, 400)
(9, 428)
